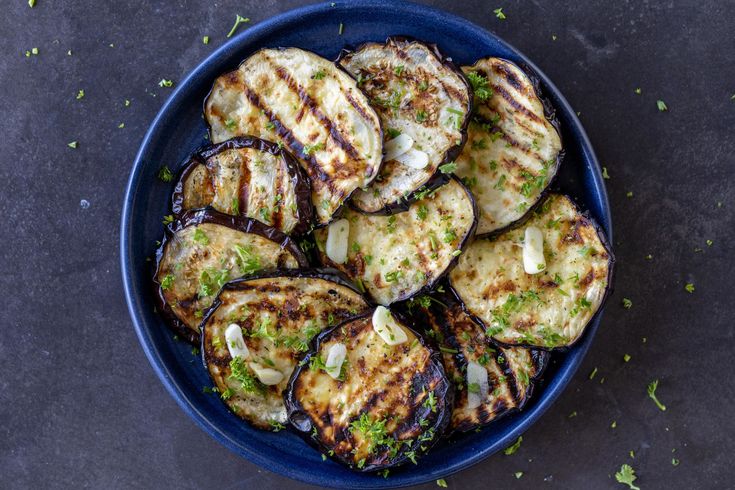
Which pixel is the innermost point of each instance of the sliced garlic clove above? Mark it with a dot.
(414, 158)
(533, 251)
(338, 236)
(385, 326)
(397, 146)
(236, 342)
(335, 358)
(478, 385)
(267, 376)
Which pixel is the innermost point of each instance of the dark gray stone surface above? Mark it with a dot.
(79, 404)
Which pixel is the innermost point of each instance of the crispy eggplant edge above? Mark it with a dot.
(299, 178)
(279, 128)
(608, 289)
(550, 116)
(294, 408)
(194, 217)
(438, 179)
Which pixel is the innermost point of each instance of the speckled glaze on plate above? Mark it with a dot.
(178, 129)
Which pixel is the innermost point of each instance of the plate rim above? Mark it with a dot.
(179, 392)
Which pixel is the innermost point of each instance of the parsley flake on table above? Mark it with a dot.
(709, 243)
(499, 13)
(652, 386)
(605, 175)
(689, 288)
(674, 462)
(72, 144)
(626, 358)
(205, 40)
(80, 94)
(441, 482)
(239, 19)
(626, 476)
(627, 304)
(638, 91)
(661, 105)
(31, 3)
(518, 474)
(165, 83)
(341, 28)
(127, 103)
(593, 373)
(514, 447)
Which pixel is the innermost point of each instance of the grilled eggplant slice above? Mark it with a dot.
(308, 104)
(250, 177)
(395, 257)
(277, 315)
(513, 150)
(499, 380)
(420, 94)
(550, 307)
(204, 249)
(389, 403)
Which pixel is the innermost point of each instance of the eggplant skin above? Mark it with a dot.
(547, 310)
(279, 313)
(251, 177)
(313, 108)
(514, 147)
(396, 257)
(417, 91)
(403, 387)
(512, 371)
(203, 249)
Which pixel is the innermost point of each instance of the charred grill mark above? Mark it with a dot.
(311, 166)
(587, 279)
(278, 206)
(509, 76)
(327, 123)
(515, 104)
(510, 378)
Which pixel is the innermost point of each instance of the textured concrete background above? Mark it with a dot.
(79, 404)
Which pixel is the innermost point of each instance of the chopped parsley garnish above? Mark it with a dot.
(421, 116)
(652, 386)
(80, 94)
(674, 462)
(627, 304)
(205, 40)
(593, 373)
(422, 212)
(391, 226)
(605, 175)
(448, 168)
(319, 75)
(239, 372)
(167, 281)
(238, 20)
(514, 447)
(247, 261)
(430, 401)
(626, 358)
(499, 13)
(689, 288)
(72, 144)
(393, 276)
(168, 219)
(309, 149)
(661, 105)
(201, 237)
(341, 28)
(235, 206)
(165, 174)
(626, 476)
(480, 85)
(211, 280)
(393, 133)
(398, 70)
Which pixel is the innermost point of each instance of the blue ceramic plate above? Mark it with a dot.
(179, 128)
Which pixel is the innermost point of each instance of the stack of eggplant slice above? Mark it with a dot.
(367, 252)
